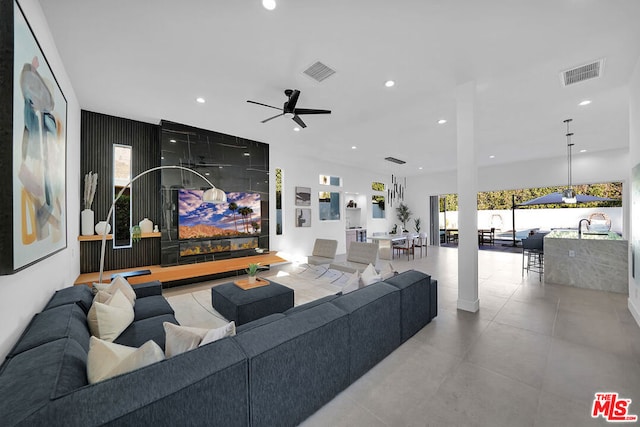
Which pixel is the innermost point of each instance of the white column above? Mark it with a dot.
(467, 200)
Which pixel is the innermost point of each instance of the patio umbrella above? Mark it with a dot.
(550, 199)
(556, 199)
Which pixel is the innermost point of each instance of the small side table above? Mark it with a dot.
(244, 306)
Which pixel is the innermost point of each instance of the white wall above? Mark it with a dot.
(25, 293)
(634, 159)
(588, 168)
(297, 242)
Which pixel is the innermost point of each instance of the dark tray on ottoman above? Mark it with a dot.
(244, 306)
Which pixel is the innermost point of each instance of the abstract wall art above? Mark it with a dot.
(35, 193)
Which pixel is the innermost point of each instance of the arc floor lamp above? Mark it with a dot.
(212, 195)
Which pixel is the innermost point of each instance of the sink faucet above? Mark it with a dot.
(580, 227)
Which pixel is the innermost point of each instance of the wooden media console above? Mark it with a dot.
(185, 271)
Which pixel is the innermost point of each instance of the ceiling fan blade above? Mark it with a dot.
(299, 121)
(271, 118)
(264, 105)
(293, 100)
(310, 111)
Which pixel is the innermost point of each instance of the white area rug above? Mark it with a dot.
(195, 309)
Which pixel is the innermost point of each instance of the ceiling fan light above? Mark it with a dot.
(289, 115)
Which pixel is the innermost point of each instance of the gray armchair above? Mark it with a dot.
(324, 252)
(359, 256)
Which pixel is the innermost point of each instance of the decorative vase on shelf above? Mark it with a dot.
(86, 222)
(146, 225)
(103, 228)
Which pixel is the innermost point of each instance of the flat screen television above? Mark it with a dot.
(240, 216)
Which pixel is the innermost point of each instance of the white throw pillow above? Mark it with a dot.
(102, 297)
(106, 359)
(118, 283)
(180, 339)
(107, 320)
(227, 330)
(387, 271)
(370, 275)
(352, 284)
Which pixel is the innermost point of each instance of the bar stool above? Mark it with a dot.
(533, 254)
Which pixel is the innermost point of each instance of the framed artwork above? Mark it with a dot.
(303, 217)
(329, 205)
(303, 196)
(34, 118)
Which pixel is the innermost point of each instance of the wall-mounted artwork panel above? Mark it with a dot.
(329, 205)
(279, 219)
(303, 217)
(303, 196)
(33, 126)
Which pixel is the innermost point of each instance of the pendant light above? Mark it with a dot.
(568, 194)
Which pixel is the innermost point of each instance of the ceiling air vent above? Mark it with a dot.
(319, 71)
(582, 73)
(394, 160)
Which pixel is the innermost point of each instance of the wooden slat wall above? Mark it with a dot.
(98, 134)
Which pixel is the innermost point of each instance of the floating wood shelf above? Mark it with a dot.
(185, 271)
(110, 237)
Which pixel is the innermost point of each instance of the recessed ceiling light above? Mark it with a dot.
(420, 168)
(297, 129)
(246, 154)
(492, 156)
(162, 158)
(200, 100)
(442, 121)
(353, 147)
(583, 151)
(269, 4)
(585, 102)
(173, 141)
(207, 173)
(220, 167)
(389, 83)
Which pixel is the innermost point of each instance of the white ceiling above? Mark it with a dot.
(149, 61)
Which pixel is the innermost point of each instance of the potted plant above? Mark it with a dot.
(403, 213)
(417, 224)
(252, 271)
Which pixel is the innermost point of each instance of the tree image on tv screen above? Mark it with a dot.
(240, 216)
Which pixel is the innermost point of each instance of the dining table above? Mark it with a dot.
(386, 241)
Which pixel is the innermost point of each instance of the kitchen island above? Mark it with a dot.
(596, 261)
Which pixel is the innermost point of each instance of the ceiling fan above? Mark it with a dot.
(289, 108)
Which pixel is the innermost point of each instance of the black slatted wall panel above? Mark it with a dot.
(98, 133)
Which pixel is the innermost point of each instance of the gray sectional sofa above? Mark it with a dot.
(277, 370)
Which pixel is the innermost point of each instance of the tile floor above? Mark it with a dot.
(534, 355)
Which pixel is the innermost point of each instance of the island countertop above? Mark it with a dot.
(573, 234)
(594, 261)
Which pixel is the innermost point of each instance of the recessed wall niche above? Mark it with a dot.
(238, 166)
